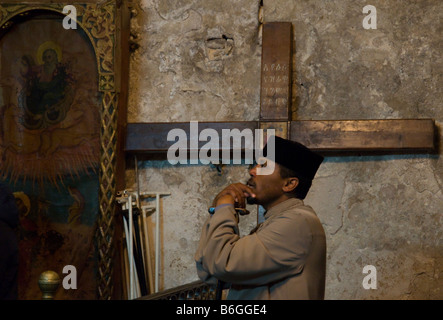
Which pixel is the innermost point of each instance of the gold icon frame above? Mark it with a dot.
(105, 24)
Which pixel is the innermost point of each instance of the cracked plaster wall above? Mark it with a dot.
(200, 60)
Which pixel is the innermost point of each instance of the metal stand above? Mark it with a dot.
(137, 257)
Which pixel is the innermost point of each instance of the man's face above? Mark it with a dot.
(267, 188)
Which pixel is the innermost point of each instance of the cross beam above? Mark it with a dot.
(332, 137)
(329, 137)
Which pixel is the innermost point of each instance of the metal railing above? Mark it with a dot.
(197, 290)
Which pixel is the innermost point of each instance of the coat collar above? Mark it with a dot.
(283, 206)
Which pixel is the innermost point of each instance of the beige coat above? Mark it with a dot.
(284, 259)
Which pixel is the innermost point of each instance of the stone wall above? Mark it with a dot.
(200, 60)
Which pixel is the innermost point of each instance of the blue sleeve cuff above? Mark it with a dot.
(212, 209)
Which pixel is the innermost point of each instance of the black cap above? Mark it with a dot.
(295, 156)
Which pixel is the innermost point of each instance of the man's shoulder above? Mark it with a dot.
(298, 207)
(292, 211)
(300, 214)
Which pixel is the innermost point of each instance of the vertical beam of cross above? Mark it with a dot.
(276, 78)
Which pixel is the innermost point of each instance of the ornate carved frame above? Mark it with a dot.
(106, 24)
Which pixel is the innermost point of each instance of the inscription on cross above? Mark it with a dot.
(275, 91)
(274, 87)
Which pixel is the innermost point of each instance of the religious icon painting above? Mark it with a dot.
(50, 148)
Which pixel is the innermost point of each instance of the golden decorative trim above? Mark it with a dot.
(107, 192)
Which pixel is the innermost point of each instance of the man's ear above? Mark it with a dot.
(290, 184)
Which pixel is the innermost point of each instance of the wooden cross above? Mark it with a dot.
(328, 137)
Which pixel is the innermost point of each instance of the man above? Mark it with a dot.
(283, 258)
(8, 245)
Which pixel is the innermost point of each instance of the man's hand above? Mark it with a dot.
(234, 194)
